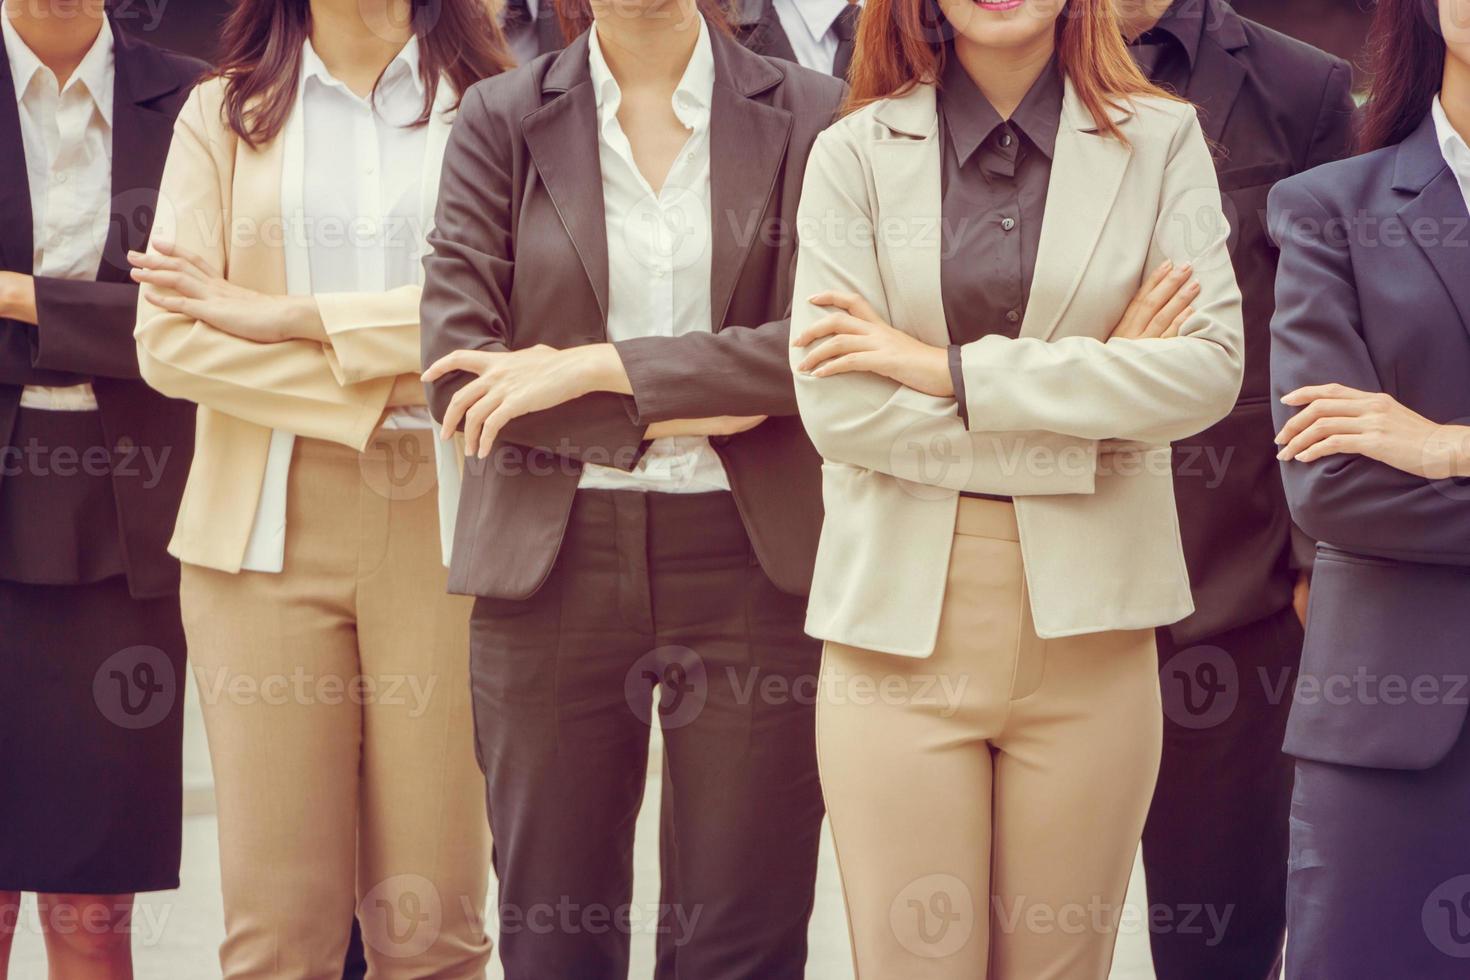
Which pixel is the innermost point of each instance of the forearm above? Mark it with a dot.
(739, 371)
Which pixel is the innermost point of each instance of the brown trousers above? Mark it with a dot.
(987, 802)
(336, 700)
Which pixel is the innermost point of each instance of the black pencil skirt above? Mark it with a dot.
(91, 726)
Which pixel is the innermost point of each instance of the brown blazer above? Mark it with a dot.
(519, 258)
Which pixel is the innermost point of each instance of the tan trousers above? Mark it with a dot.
(987, 802)
(336, 700)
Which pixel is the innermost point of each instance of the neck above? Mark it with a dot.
(1004, 75)
(357, 39)
(1454, 94)
(652, 46)
(1138, 17)
(59, 32)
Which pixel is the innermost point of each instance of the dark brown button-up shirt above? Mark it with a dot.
(994, 178)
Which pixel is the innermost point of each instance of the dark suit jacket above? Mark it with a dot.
(86, 328)
(520, 258)
(1374, 293)
(758, 27)
(1273, 107)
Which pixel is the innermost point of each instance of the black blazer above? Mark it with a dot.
(758, 27)
(1272, 106)
(86, 328)
(1374, 293)
(520, 207)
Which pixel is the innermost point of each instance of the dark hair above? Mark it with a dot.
(1407, 58)
(260, 58)
(575, 16)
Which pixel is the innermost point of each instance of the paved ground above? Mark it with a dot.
(177, 933)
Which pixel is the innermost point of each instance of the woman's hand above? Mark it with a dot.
(1161, 305)
(181, 282)
(1337, 419)
(509, 384)
(861, 341)
(720, 425)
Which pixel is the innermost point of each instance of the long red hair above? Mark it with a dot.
(902, 43)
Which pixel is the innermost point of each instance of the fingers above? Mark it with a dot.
(832, 323)
(1317, 410)
(1332, 446)
(849, 302)
(473, 361)
(174, 303)
(174, 250)
(846, 364)
(1178, 324)
(1154, 279)
(462, 401)
(177, 281)
(474, 422)
(1318, 431)
(1312, 392)
(836, 347)
(1171, 310)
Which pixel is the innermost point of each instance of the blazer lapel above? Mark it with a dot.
(1085, 178)
(16, 244)
(748, 141)
(141, 134)
(906, 181)
(562, 139)
(1420, 170)
(1218, 74)
(1440, 201)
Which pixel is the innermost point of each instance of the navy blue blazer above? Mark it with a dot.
(1374, 292)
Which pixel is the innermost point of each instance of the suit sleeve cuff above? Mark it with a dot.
(957, 378)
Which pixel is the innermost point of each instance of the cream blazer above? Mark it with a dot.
(1076, 428)
(222, 200)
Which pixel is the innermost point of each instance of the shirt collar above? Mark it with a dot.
(819, 15)
(95, 73)
(692, 96)
(1456, 151)
(1184, 24)
(971, 118)
(405, 65)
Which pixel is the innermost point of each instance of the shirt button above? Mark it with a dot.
(1007, 139)
(1013, 317)
(1008, 223)
(61, 178)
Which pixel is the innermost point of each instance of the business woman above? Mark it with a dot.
(92, 464)
(328, 655)
(604, 314)
(1369, 359)
(992, 357)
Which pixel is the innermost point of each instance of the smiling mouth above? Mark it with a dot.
(1000, 5)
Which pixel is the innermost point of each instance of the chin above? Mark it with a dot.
(1002, 23)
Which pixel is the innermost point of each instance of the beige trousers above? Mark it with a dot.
(336, 700)
(987, 802)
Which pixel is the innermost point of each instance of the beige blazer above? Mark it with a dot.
(222, 199)
(1075, 428)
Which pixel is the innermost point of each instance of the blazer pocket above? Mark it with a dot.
(1253, 175)
(1326, 552)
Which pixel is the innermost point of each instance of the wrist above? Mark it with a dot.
(599, 367)
(18, 297)
(302, 319)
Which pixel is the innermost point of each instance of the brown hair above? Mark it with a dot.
(260, 57)
(1407, 57)
(901, 43)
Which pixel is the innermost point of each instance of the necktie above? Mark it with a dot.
(845, 27)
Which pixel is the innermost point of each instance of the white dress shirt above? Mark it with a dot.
(358, 185)
(67, 132)
(659, 258)
(1456, 151)
(808, 26)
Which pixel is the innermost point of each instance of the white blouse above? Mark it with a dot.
(358, 190)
